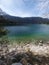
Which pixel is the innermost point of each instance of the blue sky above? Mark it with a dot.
(26, 8)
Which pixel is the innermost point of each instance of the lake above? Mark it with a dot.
(34, 31)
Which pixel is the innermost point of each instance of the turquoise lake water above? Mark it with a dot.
(34, 31)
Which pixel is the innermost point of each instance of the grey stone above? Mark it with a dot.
(16, 64)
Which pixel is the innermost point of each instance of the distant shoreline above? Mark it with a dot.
(22, 24)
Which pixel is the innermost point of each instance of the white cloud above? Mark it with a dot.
(6, 3)
(19, 7)
(43, 5)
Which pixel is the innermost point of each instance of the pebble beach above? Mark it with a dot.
(25, 54)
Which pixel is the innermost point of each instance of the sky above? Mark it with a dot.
(26, 8)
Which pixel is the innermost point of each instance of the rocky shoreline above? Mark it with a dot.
(24, 54)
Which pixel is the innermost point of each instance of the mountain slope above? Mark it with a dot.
(6, 19)
(2, 12)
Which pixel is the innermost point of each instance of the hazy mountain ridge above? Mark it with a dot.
(6, 19)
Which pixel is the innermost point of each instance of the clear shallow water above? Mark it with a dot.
(35, 31)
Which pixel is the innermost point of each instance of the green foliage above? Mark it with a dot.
(3, 31)
(3, 39)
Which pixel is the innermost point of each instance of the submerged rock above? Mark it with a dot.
(48, 42)
(40, 44)
(41, 41)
